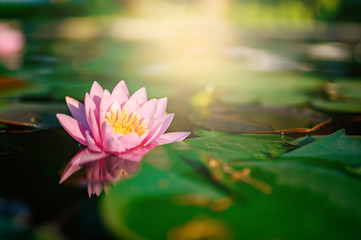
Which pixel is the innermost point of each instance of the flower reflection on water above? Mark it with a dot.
(102, 169)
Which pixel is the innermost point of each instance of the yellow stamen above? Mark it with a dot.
(125, 123)
(123, 172)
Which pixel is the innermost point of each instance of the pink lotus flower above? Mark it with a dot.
(116, 122)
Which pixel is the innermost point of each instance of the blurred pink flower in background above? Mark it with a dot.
(11, 40)
(116, 122)
(11, 45)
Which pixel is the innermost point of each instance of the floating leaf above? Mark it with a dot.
(302, 141)
(31, 115)
(336, 147)
(260, 147)
(269, 89)
(356, 171)
(248, 119)
(351, 88)
(8, 83)
(175, 191)
(337, 106)
(204, 133)
(14, 88)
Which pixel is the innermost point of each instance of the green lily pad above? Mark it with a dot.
(208, 188)
(350, 88)
(14, 88)
(343, 96)
(31, 115)
(302, 141)
(337, 106)
(270, 89)
(204, 133)
(336, 147)
(247, 146)
(238, 119)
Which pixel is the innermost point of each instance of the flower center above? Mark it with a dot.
(125, 123)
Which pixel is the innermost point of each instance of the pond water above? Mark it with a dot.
(273, 107)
